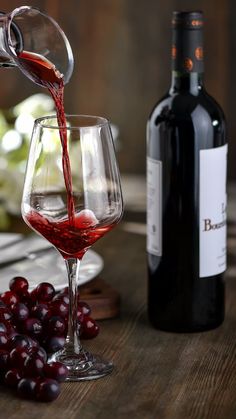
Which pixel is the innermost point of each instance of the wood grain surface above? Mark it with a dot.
(157, 374)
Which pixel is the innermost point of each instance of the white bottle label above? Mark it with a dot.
(212, 211)
(154, 206)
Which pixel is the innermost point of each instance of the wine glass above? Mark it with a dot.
(73, 205)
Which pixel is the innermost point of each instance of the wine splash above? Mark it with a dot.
(71, 243)
(43, 72)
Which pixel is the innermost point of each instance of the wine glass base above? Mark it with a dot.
(83, 366)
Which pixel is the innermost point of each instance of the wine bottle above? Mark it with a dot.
(186, 193)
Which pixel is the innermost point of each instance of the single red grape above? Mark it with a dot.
(7, 323)
(33, 342)
(63, 298)
(84, 308)
(90, 328)
(26, 387)
(33, 365)
(41, 311)
(3, 327)
(56, 326)
(57, 371)
(4, 341)
(12, 377)
(19, 285)
(55, 343)
(45, 292)
(19, 341)
(47, 390)
(12, 333)
(40, 352)
(58, 308)
(20, 312)
(32, 327)
(5, 314)
(18, 356)
(9, 298)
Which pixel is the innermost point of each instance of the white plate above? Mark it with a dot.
(50, 267)
(8, 238)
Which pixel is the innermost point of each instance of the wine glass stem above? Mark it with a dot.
(72, 339)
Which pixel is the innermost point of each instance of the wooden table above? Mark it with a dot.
(157, 374)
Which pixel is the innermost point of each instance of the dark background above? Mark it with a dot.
(122, 63)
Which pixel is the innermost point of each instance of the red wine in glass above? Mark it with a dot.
(71, 241)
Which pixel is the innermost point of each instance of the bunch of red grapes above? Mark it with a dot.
(32, 326)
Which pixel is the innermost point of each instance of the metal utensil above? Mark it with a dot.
(28, 255)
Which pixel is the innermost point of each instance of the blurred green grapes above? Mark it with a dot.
(16, 126)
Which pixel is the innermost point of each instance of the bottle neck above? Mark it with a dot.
(187, 56)
(186, 82)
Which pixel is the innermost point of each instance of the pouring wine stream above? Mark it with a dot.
(43, 72)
